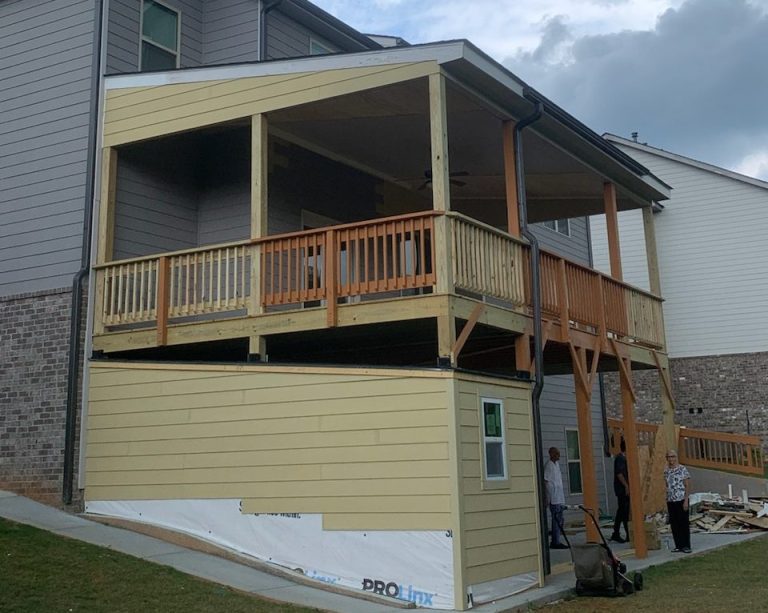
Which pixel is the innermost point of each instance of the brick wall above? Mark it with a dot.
(33, 370)
(719, 393)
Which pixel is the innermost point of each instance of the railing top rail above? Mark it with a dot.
(486, 227)
(569, 261)
(246, 242)
(170, 254)
(747, 439)
(345, 226)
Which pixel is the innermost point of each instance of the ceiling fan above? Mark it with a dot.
(456, 182)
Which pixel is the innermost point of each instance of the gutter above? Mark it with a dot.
(75, 312)
(537, 331)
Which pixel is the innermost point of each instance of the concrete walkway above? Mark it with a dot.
(248, 579)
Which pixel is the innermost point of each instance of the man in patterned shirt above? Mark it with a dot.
(678, 488)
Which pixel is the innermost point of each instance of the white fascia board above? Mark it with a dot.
(723, 172)
(439, 52)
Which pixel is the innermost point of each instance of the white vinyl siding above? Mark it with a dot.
(712, 251)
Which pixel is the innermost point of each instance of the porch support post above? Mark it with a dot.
(441, 194)
(584, 422)
(510, 178)
(612, 224)
(446, 338)
(667, 401)
(257, 348)
(106, 230)
(651, 254)
(633, 461)
(107, 203)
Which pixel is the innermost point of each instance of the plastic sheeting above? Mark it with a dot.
(410, 565)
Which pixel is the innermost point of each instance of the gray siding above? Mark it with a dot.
(230, 31)
(286, 38)
(156, 202)
(46, 49)
(123, 34)
(558, 413)
(711, 246)
(574, 247)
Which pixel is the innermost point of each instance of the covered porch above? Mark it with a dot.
(327, 195)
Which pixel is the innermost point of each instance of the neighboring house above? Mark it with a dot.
(711, 246)
(299, 290)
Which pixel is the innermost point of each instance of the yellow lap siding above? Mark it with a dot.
(499, 530)
(166, 109)
(367, 451)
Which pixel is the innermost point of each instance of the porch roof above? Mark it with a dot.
(291, 82)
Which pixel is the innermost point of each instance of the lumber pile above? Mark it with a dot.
(726, 516)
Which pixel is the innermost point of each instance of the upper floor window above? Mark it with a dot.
(159, 36)
(318, 48)
(494, 439)
(562, 226)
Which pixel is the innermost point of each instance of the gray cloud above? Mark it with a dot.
(697, 84)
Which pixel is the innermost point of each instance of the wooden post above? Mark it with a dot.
(163, 299)
(667, 400)
(446, 337)
(510, 178)
(586, 451)
(633, 461)
(651, 254)
(259, 217)
(562, 295)
(441, 192)
(107, 202)
(438, 125)
(331, 277)
(523, 358)
(612, 224)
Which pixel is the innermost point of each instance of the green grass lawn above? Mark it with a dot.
(729, 579)
(42, 572)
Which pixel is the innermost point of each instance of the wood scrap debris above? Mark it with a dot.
(729, 515)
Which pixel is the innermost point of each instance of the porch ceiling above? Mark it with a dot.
(386, 132)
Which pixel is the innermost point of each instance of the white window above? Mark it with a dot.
(159, 36)
(318, 48)
(493, 439)
(573, 456)
(561, 226)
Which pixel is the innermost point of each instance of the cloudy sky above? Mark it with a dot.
(691, 76)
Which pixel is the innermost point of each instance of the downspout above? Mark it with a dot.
(266, 8)
(75, 311)
(538, 349)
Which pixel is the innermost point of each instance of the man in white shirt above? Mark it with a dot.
(555, 496)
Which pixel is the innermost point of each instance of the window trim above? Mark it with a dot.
(143, 39)
(495, 481)
(555, 223)
(326, 48)
(568, 463)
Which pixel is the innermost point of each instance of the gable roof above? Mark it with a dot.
(723, 172)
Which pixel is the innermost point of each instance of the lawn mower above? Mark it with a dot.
(599, 572)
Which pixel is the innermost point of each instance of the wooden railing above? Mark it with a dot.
(370, 257)
(377, 257)
(721, 451)
(646, 434)
(183, 283)
(717, 450)
(488, 262)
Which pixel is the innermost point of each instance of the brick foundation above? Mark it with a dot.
(33, 369)
(711, 393)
